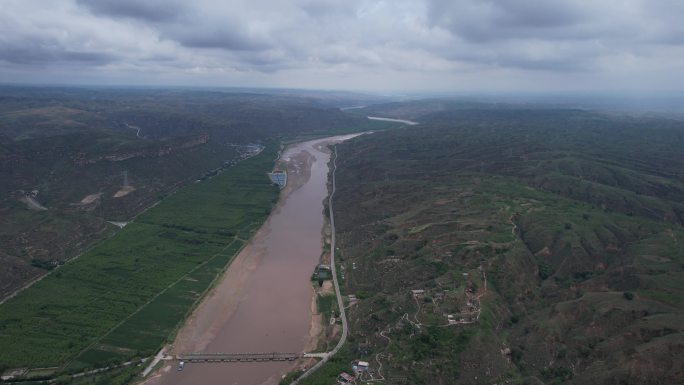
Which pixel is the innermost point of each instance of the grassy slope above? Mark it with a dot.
(80, 314)
(564, 211)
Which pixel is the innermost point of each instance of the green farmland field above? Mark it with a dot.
(125, 297)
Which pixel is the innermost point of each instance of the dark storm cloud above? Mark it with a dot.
(263, 62)
(536, 14)
(611, 22)
(224, 37)
(150, 10)
(561, 35)
(484, 20)
(189, 24)
(40, 51)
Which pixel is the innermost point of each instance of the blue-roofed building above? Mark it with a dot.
(278, 177)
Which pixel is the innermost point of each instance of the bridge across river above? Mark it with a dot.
(245, 357)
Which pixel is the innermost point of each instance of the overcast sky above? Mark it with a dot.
(402, 45)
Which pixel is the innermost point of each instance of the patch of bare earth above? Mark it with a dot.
(124, 191)
(92, 198)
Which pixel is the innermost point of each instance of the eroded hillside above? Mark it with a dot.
(516, 246)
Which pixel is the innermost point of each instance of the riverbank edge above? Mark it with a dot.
(340, 302)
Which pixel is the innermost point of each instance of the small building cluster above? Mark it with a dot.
(459, 307)
(346, 378)
(322, 273)
(360, 366)
(361, 372)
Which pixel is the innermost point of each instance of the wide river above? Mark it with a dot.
(263, 302)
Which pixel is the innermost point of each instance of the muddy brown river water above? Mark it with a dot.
(263, 301)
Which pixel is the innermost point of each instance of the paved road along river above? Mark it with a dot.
(263, 302)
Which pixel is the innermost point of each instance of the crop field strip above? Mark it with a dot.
(146, 326)
(125, 297)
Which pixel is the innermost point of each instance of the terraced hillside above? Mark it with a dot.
(515, 246)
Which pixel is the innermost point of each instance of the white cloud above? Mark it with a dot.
(400, 44)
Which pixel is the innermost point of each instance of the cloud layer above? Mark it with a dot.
(447, 45)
